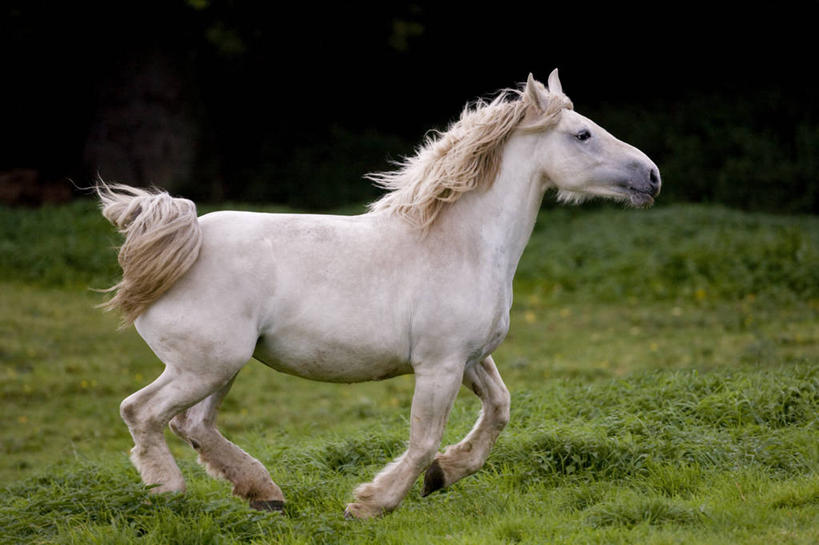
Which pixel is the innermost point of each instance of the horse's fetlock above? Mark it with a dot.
(362, 510)
(365, 492)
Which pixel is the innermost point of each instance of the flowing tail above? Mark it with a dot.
(162, 241)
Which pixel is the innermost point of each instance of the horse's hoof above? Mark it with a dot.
(268, 505)
(433, 479)
(360, 511)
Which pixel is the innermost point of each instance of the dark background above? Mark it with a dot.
(293, 103)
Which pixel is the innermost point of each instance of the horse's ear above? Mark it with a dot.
(535, 92)
(554, 83)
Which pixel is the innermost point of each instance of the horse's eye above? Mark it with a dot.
(583, 135)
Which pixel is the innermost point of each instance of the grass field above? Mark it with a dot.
(664, 369)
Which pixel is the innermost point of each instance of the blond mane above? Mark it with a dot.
(464, 157)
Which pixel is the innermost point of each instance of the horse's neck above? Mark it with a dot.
(499, 220)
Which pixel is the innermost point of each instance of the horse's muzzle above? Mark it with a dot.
(643, 185)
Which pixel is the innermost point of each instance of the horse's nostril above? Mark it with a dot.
(654, 179)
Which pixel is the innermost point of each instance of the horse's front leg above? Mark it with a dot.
(468, 456)
(435, 392)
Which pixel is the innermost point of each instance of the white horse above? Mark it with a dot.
(421, 284)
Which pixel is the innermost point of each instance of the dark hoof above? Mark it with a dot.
(267, 505)
(433, 479)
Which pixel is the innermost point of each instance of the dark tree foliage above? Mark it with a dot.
(221, 99)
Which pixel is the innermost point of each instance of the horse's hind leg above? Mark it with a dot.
(468, 456)
(223, 459)
(149, 410)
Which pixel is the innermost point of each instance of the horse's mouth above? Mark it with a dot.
(637, 196)
(640, 199)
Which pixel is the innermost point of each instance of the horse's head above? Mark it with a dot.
(578, 157)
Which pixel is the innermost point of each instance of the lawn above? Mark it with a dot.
(663, 364)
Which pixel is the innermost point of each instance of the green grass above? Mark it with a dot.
(664, 366)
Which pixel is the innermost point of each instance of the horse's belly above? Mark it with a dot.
(330, 362)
